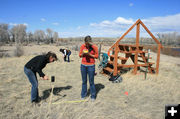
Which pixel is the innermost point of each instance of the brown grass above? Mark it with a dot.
(146, 99)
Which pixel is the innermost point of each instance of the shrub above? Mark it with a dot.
(3, 54)
(18, 51)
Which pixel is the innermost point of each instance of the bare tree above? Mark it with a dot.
(49, 35)
(12, 35)
(39, 35)
(55, 36)
(174, 37)
(168, 38)
(29, 37)
(4, 33)
(19, 33)
(178, 40)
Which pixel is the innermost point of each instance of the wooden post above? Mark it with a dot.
(51, 95)
(147, 64)
(99, 52)
(137, 48)
(158, 58)
(115, 60)
(52, 88)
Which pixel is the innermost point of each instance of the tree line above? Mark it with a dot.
(18, 34)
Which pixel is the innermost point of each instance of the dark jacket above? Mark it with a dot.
(37, 63)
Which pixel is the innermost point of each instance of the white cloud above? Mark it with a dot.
(14, 24)
(43, 20)
(121, 20)
(118, 26)
(131, 4)
(55, 23)
(105, 23)
(155, 24)
(166, 23)
(25, 24)
(115, 27)
(118, 22)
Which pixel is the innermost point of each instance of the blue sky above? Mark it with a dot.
(99, 18)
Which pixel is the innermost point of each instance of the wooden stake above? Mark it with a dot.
(52, 88)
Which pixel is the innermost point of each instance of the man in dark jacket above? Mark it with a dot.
(36, 64)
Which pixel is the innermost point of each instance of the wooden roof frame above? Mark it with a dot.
(137, 23)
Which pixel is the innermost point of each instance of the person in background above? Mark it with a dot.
(66, 53)
(104, 60)
(88, 52)
(36, 64)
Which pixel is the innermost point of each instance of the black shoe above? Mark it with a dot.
(37, 100)
(117, 78)
(112, 78)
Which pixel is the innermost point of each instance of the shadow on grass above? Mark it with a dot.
(56, 91)
(98, 87)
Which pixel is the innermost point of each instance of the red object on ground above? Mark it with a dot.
(126, 93)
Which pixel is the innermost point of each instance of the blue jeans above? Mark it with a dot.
(34, 82)
(90, 70)
(69, 55)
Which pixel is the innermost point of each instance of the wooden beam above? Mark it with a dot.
(137, 35)
(117, 42)
(131, 65)
(158, 59)
(115, 60)
(137, 48)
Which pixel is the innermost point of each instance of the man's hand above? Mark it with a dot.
(45, 78)
(88, 54)
(83, 54)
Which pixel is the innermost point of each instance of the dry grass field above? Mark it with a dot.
(146, 99)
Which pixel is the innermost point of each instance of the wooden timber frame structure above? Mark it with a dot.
(133, 52)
